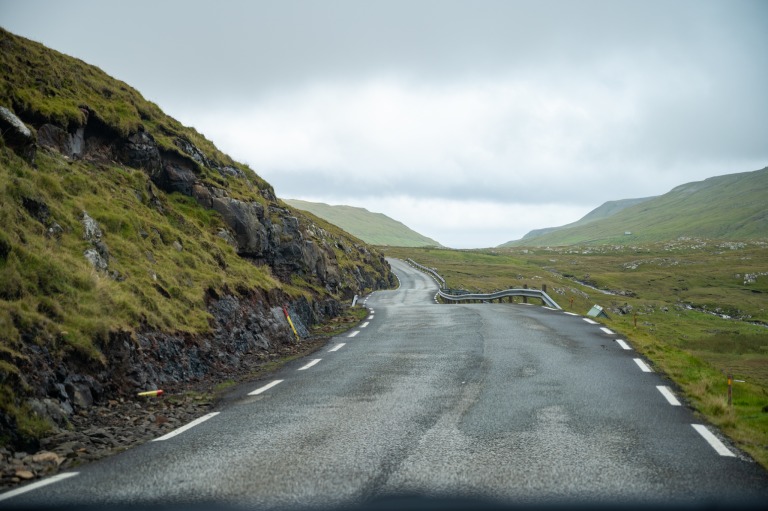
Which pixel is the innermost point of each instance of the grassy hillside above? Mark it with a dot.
(732, 207)
(373, 228)
(697, 309)
(163, 255)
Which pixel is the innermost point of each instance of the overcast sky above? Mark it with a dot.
(470, 122)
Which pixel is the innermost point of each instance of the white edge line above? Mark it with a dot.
(369, 317)
(668, 395)
(712, 440)
(38, 484)
(607, 330)
(182, 429)
(354, 333)
(315, 361)
(644, 368)
(571, 313)
(550, 308)
(623, 344)
(589, 321)
(337, 347)
(364, 324)
(264, 388)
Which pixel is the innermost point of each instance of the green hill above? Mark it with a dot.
(730, 207)
(373, 228)
(134, 253)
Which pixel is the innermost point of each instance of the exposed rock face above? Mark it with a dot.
(17, 135)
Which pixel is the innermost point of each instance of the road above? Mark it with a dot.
(494, 401)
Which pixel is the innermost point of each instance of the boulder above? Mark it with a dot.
(17, 135)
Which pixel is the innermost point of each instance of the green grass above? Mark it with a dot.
(728, 207)
(672, 291)
(373, 228)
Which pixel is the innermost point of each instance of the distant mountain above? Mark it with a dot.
(373, 228)
(732, 207)
(604, 211)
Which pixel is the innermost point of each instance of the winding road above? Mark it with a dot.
(516, 403)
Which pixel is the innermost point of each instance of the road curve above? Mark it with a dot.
(493, 401)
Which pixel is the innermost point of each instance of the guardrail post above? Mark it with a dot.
(525, 298)
(544, 290)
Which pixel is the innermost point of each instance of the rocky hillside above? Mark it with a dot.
(134, 254)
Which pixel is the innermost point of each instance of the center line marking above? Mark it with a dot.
(589, 321)
(364, 324)
(644, 368)
(715, 442)
(668, 395)
(354, 333)
(607, 330)
(264, 388)
(182, 429)
(38, 484)
(623, 344)
(337, 347)
(315, 361)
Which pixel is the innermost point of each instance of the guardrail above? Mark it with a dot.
(485, 297)
(431, 271)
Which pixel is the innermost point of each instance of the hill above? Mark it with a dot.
(134, 254)
(604, 211)
(373, 228)
(729, 207)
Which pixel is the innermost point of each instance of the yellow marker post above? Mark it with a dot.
(288, 317)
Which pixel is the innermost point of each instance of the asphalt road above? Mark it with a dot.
(494, 401)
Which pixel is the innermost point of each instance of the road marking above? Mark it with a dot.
(571, 313)
(371, 311)
(550, 308)
(182, 429)
(38, 484)
(712, 440)
(668, 395)
(644, 368)
(337, 347)
(607, 331)
(264, 388)
(315, 361)
(364, 324)
(369, 317)
(623, 344)
(354, 333)
(589, 321)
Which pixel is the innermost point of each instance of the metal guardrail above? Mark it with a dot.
(463, 297)
(487, 297)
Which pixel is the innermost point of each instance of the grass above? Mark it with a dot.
(675, 292)
(163, 250)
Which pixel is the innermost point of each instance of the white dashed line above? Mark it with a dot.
(712, 440)
(337, 347)
(668, 395)
(369, 317)
(315, 361)
(607, 331)
(589, 321)
(364, 324)
(38, 484)
(264, 388)
(623, 344)
(354, 333)
(182, 429)
(644, 368)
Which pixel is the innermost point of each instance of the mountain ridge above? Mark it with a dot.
(731, 206)
(371, 227)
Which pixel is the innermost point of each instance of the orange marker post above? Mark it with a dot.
(151, 393)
